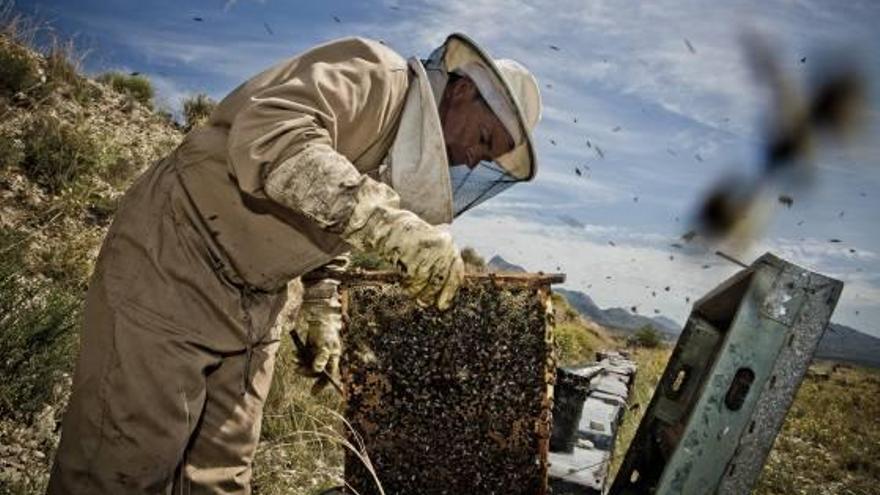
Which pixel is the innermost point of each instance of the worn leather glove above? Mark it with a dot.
(321, 319)
(425, 255)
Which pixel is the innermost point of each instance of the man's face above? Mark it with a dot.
(472, 131)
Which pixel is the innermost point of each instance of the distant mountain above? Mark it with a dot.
(840, 342)
(668, 323)
(499, 264)
(613, 317)
(843, 343)
(618, 317)
(583, 303)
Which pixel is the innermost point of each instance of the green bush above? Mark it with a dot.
(19, 70)
(136, 86)
(574, 344)
(197, 109)
(648, 337)
(119, 172)
(57, 153)
(37, 326)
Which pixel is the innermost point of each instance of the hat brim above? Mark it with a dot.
(520, 162)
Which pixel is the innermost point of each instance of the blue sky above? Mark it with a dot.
(669, 120)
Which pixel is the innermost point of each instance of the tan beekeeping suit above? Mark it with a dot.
(177, 346)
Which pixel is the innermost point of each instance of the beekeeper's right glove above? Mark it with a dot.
(426, 255)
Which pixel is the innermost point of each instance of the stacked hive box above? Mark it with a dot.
(449, 402)
(579, 463)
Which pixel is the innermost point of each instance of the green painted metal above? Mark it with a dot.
(729, 382)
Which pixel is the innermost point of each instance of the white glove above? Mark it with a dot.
(426, 256)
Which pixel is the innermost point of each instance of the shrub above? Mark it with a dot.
(19, 69)
(68, 261)
(197, 109)
(37, 322)
(166, 116)
(648, 337)
(119, 172)
(574, 344)
(135, 86)
(58, 153)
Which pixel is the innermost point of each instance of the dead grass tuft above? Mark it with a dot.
(197, 109)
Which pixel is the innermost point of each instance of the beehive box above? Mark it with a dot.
(454, 402)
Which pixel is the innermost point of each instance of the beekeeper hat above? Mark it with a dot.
(509, 89)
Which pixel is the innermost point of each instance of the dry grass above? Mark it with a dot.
(297, 453)
(830, 442)
(651, 363)
(11, 151)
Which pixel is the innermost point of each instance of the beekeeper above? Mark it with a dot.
(345, 146)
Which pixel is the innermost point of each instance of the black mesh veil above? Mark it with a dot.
(472, 186)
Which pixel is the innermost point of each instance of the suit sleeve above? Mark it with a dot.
(283, 144)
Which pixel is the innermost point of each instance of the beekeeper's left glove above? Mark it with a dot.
(321, 320)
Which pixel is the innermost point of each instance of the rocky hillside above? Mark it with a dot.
(69, 147)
